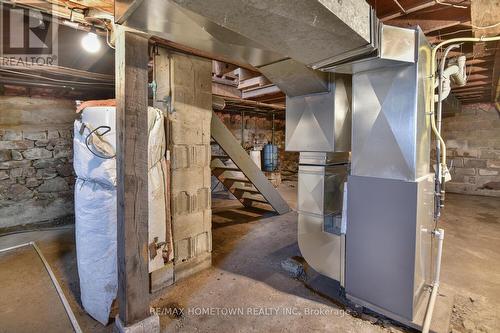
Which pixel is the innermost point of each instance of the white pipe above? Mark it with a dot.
(439, 233)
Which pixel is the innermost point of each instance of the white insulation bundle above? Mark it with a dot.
(95, 204)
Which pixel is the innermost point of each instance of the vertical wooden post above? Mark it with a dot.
(132, 175)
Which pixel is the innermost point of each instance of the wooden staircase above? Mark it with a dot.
(239, 174)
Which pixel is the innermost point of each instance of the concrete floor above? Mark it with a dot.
(248, 247)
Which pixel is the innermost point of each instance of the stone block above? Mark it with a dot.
(29, 172)
(487, 172)
(17, 144)
(468, 152)
(5, 155)
(52, 134)
(456, 144)
(185, 156)
(59, 142)
(470, 179)
(16, 155)
(19, 192)
(474, 163)
(12, 135)
(14, 164)
(186, 226)
(37, 153)
(493, 164)
(458, 178)
(47, 173)
(4, 175)
(457, 162)
(465, 171)
(190, 180)
(17, 172)
(32, 182)
(64, 170)
(46, 163)
(492, 185)
(40, 135)
(67, 133)
(62, 152)
(41, 143)
(490, 154)
(57, 184)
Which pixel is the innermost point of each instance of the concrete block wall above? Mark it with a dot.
(473, 150)
(36, 160)
(189, 143)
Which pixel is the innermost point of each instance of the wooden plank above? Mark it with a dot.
(225, 90)
(244, 74)
(220, 68)
(485, 13)
(262, 91)
(432, 20)
(132, 175)
(253, 82)
(385, 12)
(495, 87)
(162, 78)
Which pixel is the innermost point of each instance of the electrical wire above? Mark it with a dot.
(107, 39)
(449, 4)
(99, 134)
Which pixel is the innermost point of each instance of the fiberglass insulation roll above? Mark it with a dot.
(95, 205)
(95, 233)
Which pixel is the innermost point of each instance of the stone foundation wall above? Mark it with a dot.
(473, 150)
(36, 160)
(257, 130)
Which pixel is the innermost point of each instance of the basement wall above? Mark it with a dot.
(257, 128)
(36, 160)
(473, 141)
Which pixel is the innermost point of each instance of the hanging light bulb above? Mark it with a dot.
(91, 43)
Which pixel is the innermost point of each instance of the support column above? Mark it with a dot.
(132, 183)
(189, 131)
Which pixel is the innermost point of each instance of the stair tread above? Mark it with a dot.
(246, 189)
(243, 180)
(261, 200)
(227, 168)
(220, 156)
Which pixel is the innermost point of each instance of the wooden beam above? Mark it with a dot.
(485, 13)
(220, 68)
(244, 74)
(408, 10)
(253, 82)
(132, 175)
(261, 91)
(495, 87)
(225, 90)
(439, 18)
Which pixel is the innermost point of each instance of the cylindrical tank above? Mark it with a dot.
(270, 153)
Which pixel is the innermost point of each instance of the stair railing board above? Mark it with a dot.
(239, 156)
